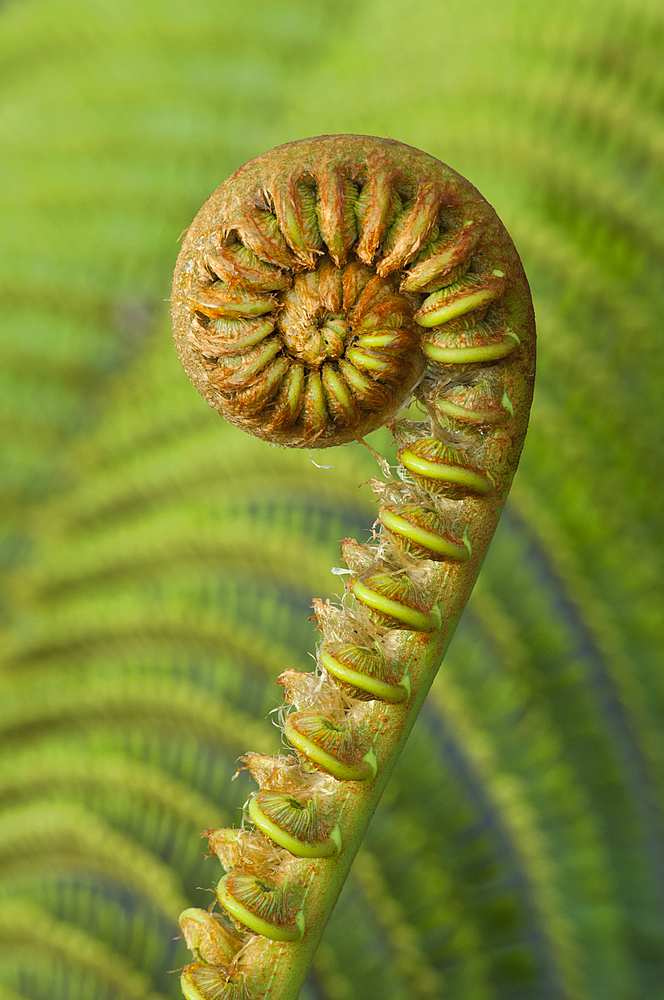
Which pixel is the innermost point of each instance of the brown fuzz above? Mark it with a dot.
(208, 938)
(305, 281)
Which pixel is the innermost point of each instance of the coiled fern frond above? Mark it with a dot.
(319, 287)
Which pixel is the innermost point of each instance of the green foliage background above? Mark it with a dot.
(158, 566)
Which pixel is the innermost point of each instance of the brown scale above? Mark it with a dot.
(336, 212)
(444, 260)
(259, 230)
(341, 625)
(208, 937)
(306, 690)
(358, 556)
(278, 774)
(246, 850)
(411, 228)
(261, 390)
(376, 208)
(296, 212)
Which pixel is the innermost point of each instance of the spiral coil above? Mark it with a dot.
(319, 287)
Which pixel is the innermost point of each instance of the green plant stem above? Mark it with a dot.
(279, 969)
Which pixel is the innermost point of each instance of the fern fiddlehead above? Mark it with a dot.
(317, 290)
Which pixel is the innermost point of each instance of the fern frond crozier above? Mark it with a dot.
(319, 288)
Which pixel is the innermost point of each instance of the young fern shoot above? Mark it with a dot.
(317, 290)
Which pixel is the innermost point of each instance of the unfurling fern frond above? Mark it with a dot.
(317, 289)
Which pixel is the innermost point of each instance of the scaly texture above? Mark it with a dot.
(304, 280)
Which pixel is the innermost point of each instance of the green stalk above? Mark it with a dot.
(284, 966)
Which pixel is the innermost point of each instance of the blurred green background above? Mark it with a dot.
(158, 567)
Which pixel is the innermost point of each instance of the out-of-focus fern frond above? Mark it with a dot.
(115, 123)
(159, 566)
